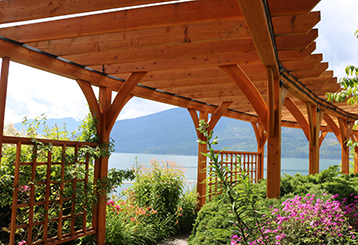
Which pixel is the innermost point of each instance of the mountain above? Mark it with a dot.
(172, 132)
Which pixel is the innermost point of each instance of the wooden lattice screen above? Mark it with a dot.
(249, 163)
(49, 206)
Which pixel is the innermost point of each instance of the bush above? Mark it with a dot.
(212, 225)
(159, 186)
(189, 204)
(307, 220)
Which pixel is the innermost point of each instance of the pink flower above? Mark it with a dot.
(23, 242)
(110, 203)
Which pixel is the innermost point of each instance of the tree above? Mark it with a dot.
(349, 85)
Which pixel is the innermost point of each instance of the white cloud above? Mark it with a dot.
(336, 34)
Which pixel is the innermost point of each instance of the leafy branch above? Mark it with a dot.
(236, 185)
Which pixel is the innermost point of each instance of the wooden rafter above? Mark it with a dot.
(133, 19)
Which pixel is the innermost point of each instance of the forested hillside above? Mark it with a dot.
(173, 132)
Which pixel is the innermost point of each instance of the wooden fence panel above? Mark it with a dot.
(50, 216)
(249, 163)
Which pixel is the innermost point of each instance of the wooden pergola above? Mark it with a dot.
(247, 60)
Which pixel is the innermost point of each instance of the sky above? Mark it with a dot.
(32, 92)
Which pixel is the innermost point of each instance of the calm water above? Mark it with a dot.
(289, 166)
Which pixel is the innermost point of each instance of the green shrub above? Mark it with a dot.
(212, 225)
(159, 186)
(189, 204)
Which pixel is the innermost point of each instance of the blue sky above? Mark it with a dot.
(32, 92)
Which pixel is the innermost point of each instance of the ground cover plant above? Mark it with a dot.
(316, 209)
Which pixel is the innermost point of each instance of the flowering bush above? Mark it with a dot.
(307, 220)
(128, 223)
(159, 186)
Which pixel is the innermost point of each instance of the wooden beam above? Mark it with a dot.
(250, 58)
(296, 54)
(278, 8)
(308, 64)
(163, 52)
(132, 19)
(301, 92)
(37, 9)
(256, 19)
(333, 126)
(46, 63)
(195, 118)
(323, 135)
(297, 113)
(90, 97)
(296, 41)
(215, 117)
(274, 136)
(186, 33)
(295, 24)
(316, 72)
(122, 97)
(4, 76)
(250, 91)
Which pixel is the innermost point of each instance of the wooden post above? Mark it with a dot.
(201, 185)
(202, 148)
(315, 118)
(346, 130)
(274, 135)
(3, 91)
(356, 159)
(261, 137)
(102, 168)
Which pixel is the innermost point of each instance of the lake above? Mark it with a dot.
(289, 166)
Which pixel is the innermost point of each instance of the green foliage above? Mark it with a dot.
(188, 203)
(212, 225)
(160, 186)
(329, 180)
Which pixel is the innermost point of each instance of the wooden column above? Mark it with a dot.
(261, 138)
(202, 148)
(106, 114)
(315, 116)
(102, 163)
(3, 91)
(346, 130)
(355, 138)
(274, 135)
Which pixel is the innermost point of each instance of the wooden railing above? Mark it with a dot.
(249, 163)
(50, 214)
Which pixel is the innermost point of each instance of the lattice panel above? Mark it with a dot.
(50, 204)
(249, 163)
